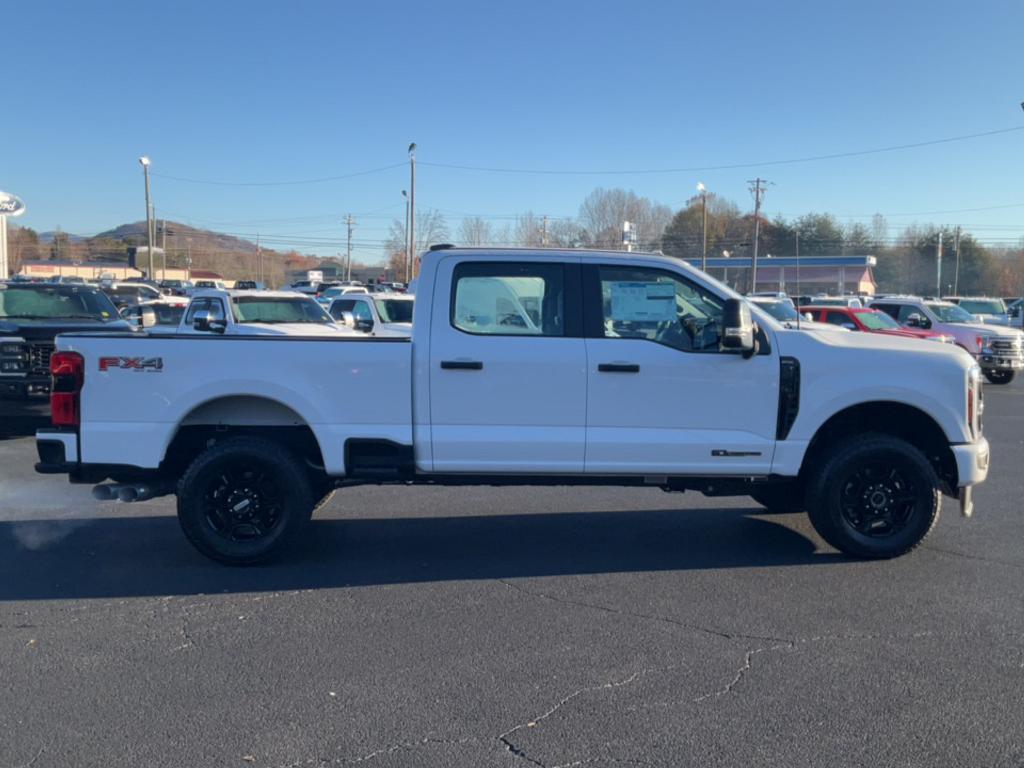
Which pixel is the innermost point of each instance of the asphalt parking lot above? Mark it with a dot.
(508, 627)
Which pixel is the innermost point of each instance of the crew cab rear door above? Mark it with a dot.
(661, 396)
(507, 367)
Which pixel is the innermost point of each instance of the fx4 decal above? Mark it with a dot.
(132, 363)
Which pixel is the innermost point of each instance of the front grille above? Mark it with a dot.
(39, 358)
(1008, 345)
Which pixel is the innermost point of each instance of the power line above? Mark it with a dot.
(280, 183)
(728, 166)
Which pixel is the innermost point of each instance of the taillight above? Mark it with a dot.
(68, 372)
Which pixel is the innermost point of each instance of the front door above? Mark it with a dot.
(661, 396)
(507, 367)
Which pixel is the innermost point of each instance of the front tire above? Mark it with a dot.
(874, 496)
(999, 377)
(242, 500)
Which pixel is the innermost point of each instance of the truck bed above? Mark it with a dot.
(139, 389)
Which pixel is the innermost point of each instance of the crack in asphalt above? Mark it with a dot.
(504, 738)
(968, 556)
(748, 659)
(649, 616)
(32, 761)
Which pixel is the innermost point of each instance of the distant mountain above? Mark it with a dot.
(178, 235)
(47, 237)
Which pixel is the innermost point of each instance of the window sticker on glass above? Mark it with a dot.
(643, 302)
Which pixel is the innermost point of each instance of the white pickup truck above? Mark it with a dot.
(527, 367)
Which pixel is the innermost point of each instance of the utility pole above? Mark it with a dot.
(412, 211)
(149, 219)
(938, 268)
(956, 249)
(758, 190)
(259, 259)
(163, 247)
(408, 251)
(544, 232)
(797, 233)
(348, 257)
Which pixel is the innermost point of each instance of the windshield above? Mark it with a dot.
(782, 309)
(984, 306)
(259, 309)
(951, 313)
(394, 310)
(874, 320)
(56, 302)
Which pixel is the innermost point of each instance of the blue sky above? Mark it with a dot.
(257, 92)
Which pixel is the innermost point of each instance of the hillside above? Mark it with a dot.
(178, 235)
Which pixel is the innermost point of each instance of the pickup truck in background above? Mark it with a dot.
(262, 313)
(527, 366)
(378, 314)
(998, 350)
(31, 316)
(867, 320)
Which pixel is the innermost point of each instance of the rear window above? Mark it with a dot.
(259, 309)
(394, 310)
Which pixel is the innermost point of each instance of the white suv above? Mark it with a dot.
(998, 350)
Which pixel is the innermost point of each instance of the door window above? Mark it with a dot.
(838, 318)
(199, 305)
(361, 311)
(341, 305)
(906, 310)
(656, 305)
(505, 299)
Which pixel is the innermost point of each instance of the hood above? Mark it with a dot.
(46, 330)
(870, 348)
(289, 329)
(989, 329)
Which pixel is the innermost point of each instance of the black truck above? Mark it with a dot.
(31, 316)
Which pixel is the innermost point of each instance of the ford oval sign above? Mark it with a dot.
(10, 205)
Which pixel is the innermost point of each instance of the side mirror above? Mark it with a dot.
(738, 333)
(205, 322)
(808, 316)
(147, 319)
(362, 324)
(915, 321)
(347, 319)
(850, 326)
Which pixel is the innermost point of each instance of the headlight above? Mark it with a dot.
(13, 357)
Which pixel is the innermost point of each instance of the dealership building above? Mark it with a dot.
(796, 274)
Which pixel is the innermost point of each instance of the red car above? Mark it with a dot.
(871, 321)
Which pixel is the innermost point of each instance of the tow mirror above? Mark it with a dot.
(738, 331)
(147, 319)
(915, 321)
(364, 324)
(205, 322)
(347, 319)
(808, 316)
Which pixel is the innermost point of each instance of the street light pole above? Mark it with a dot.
(149, 215)
(412, 209)
(704, 226)
(408, 258)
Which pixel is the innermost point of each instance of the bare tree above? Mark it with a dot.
(475, 230)
(604, 211)
(431, 229)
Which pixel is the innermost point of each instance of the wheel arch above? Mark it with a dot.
(898, 419)
(224, 416)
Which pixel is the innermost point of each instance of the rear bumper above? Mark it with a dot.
(58, 452)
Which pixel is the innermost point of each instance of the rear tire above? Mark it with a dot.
(243, 500)
(874, 496)
(781, 498)
(999, 377)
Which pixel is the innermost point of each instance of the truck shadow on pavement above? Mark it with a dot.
(149, 556)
